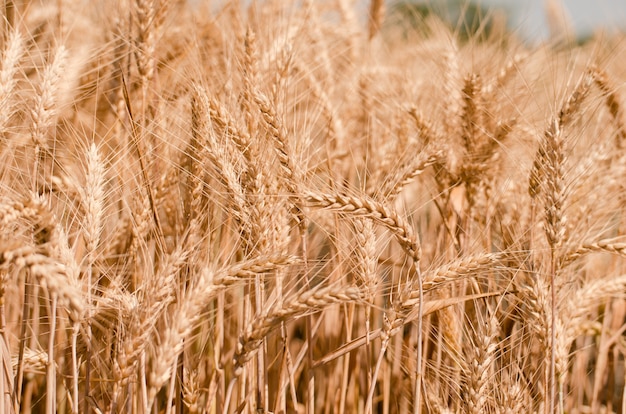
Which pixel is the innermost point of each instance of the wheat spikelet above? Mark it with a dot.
(515, 395)
(11, 57)
(190, 312)
(197, 155)
(504, 75)
(554, 195)
(32, 209)
(44, 107)
(142, 317)
(615, 246)
(93, 200)
(364, 207)
(478, 369)
(148, 14)
(191, 392)
(469, 117)
(447, 168)
(279, 139)
(452, 84)
(224, 122)
(572, 106)
(221, 154)
(49, 274)
(566, 114)
(426, 131)
(250, 268)
(613, 101)
(316, 299)
(141, 224)
(590, 295)
(365, 252)
(35, 361)
(460, 268)
(250, 74)
(407, 172)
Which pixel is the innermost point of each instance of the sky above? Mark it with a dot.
(586, 15)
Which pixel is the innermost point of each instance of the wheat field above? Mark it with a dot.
(283, 207)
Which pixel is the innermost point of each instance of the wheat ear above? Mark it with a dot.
(366, 207)
(613, 102)
(11, 57)
(477, 369)
(309, 301)
(44, 108)
(186, 317)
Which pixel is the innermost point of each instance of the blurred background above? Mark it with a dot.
(531, 19)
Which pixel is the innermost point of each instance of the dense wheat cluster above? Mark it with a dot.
(278, 207)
